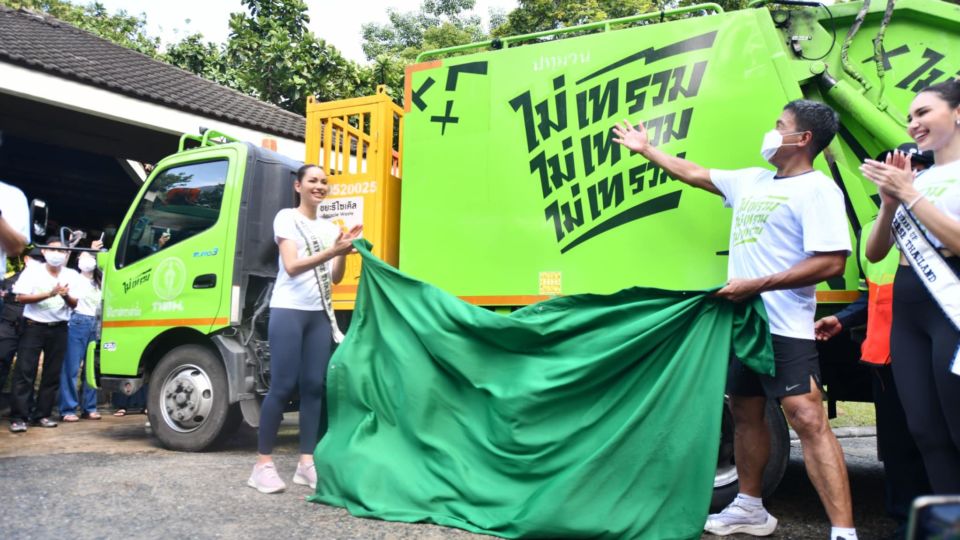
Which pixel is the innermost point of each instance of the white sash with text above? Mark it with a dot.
(933, 271)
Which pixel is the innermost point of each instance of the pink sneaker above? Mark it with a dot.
(265, 479)
(306, 476)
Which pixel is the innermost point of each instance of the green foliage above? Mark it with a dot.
(205, 59)
(276, 59)
(539, 15)
(121, 28)
(438, 24)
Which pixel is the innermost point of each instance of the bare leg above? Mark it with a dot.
(822, 454)
(751, 442)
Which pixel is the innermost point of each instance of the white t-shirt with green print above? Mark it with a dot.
(940, 185)
(35, 279)
(777, 223)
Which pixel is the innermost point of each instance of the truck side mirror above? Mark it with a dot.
(38, 218)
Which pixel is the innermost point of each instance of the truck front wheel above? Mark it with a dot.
(188, 402)
(726, 482)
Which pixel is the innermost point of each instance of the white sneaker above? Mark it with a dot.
(306, 476)
(265, 479)
(738, 518)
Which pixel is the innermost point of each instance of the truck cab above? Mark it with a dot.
(186, 284)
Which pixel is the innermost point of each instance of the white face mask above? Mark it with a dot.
(55, 258)
(87, 264)
(772, 141)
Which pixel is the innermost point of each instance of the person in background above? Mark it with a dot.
(44, 290)
(14, 237)
(905, 477)
(81, 330)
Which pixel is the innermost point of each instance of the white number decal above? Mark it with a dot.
(359, 188)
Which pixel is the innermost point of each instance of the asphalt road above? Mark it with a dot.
(109, 479)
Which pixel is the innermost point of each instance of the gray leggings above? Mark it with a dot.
(300, 344)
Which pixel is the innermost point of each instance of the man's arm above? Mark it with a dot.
(10, 238)
(686, 171)
(818, 267)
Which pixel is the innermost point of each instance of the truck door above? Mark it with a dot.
(169, 262)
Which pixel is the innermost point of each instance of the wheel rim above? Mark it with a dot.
(726, 466)
(186, 398)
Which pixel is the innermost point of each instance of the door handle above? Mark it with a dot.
(205, 281)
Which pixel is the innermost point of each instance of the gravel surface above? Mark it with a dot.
(109, 479)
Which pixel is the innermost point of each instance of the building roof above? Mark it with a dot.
(43, 43)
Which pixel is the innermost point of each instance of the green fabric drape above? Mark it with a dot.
(583, 416)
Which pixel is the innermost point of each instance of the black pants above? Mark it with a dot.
(37, 338)
(922, 344)
(905, 477)
(9, 338)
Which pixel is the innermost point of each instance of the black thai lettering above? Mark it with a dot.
(636, 93)
(638, 179)
(556, 169)
(525, 104)
(636, 90)
(605, 194)
(661, 130)
(546, 124)
(537, 118)
(600, 144)
(572, 214)
(598, 103)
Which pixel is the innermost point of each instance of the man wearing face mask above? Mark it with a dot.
(789, 233)
(43, 289)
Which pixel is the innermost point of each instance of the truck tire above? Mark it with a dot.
(188, 402)
(725, 482)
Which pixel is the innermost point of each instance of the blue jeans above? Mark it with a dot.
(81, 330)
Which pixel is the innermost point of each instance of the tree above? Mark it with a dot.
(206, 59)
(278, 60)
(121, 28)
(438, 24)
(540, 15)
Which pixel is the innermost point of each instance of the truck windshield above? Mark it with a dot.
(180, 202)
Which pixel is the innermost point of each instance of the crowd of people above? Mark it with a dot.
(49, 314)
(789, 233)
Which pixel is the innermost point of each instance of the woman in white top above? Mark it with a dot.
(81, 330)
(302, 326)
(923, 340)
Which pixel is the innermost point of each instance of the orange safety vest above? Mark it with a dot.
(879, 280)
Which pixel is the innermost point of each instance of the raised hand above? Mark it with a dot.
(633, 138)
(344, 242)
(893, 177)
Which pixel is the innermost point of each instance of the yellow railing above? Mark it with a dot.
(358, 143)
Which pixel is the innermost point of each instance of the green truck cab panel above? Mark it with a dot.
(171, 266)
(508, 153)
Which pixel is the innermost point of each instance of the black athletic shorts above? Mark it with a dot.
(796, 360)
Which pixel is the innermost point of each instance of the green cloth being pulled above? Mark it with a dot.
(583, 416)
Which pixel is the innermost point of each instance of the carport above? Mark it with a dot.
(80, 116)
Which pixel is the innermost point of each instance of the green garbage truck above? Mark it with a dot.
(512, 190)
